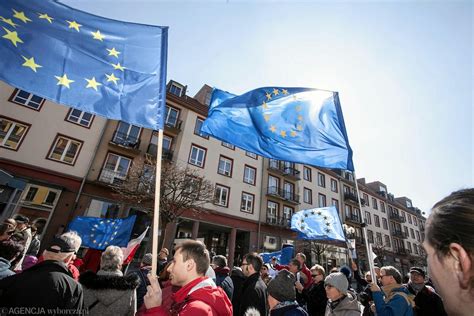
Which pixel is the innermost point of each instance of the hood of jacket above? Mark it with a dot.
(109, 288)
(393, 289)
(205, 290)
(4, 265)
(224, 271)
(348, 303)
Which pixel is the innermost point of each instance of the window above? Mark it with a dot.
(12, 133)
(127, 135)
(289, 191)
(41, 197)
(273, 185)
(404, 216)
(287, 213)
(384, 223)
(251, 155)
(27, 99)
(171, 119)
(167, 141)
(418, 236)
(347, 189)
(308, 196)
(334, 185)
(249, 175)
(378, 238)
(80, 117)
(387, 241)
(406, 230)
(376, 220)
(375, 204)
(370, 235)
(228, 145)
(366, 199)
(197, 156)
(197, 128)
(176, 90)
(103, 209)
(307, 173)
(65, 149)
(321, 180)
(412, 233)
(335, 203)
(415, 221)
(409, 218)
(246, 205)
(382, 206)
(409, 246)
(272, 212)
(368, 218)
(222, 195)
(321, 200)
(115, 169)
(225, 166)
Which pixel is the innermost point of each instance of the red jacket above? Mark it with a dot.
(200, 297)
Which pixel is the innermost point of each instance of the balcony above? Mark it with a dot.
(351, 197)
(397, 218)
(279, 221)
(353, 219)
(359, 240)
(125, 140)
(173, 127)
(111, 177)
(399, 234)
(288, 196)
(401, 251)
(166, 154)
(284, 170)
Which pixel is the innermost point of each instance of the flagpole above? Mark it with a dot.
(364, 230)
(156, 210)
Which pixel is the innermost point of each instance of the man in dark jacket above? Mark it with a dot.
(9, 250)
(142, 273)
(238, 279)
(219, 264)
(315, 297)
(427, 301)
(47, 285)
(254, 290)
(282, 296)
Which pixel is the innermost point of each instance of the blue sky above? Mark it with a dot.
(404, 72)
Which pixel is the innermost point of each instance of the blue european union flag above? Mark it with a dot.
(283, 256)
(291, 124)
(99, 233)
(105, 67)
(318, 224)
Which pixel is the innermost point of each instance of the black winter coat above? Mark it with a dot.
(316, 299)
(49, 284)
(238, 279)
(427, 302)
(254, 294)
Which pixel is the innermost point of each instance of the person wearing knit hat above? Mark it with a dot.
(282, 295)
(341, 302)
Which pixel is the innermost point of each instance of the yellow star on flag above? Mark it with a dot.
(64, 81)
(45, 16)
(8, 21)
(21, 16)
(293, 133)
(273, 128)
(299, 127)
(284, 91)
(266, 117)
(74, 25)
(283, 134)
(269, 96)
(264, 104)
(113, 52)
(112, 77)
(30, 62)
(276, 92)
(91, 83)
(118, 67)
(300, 117)
(12, 36)
(98, 36)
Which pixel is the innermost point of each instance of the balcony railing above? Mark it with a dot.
(126, 140)
(166, 154)
(399, 234)
(397, 218)
(175, 126)
(284, 195)
(279, 221)
(353, 218)
(284, 169)
(112, 177)
(401, 251)
(353, 198)
(359, 240)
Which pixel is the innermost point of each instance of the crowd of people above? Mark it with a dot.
(193, 282)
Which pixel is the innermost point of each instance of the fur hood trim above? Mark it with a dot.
(93, 281)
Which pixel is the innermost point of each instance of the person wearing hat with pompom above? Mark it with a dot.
(341, 302)
(282, 296)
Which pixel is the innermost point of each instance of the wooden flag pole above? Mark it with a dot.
(156, 210)
(364, 229)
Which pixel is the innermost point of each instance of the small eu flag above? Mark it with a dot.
(318, 224)
(291, 124)
(101, 66)
(99, 233)
(283, 256)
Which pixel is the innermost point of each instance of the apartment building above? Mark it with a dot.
(68, 161)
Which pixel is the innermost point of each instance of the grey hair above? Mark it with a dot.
(111, 259)
(392, 271)
(74, 238)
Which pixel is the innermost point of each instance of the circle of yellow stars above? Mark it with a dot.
(281, 132)
(318, 213)
(31, 63)
(105, 243)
